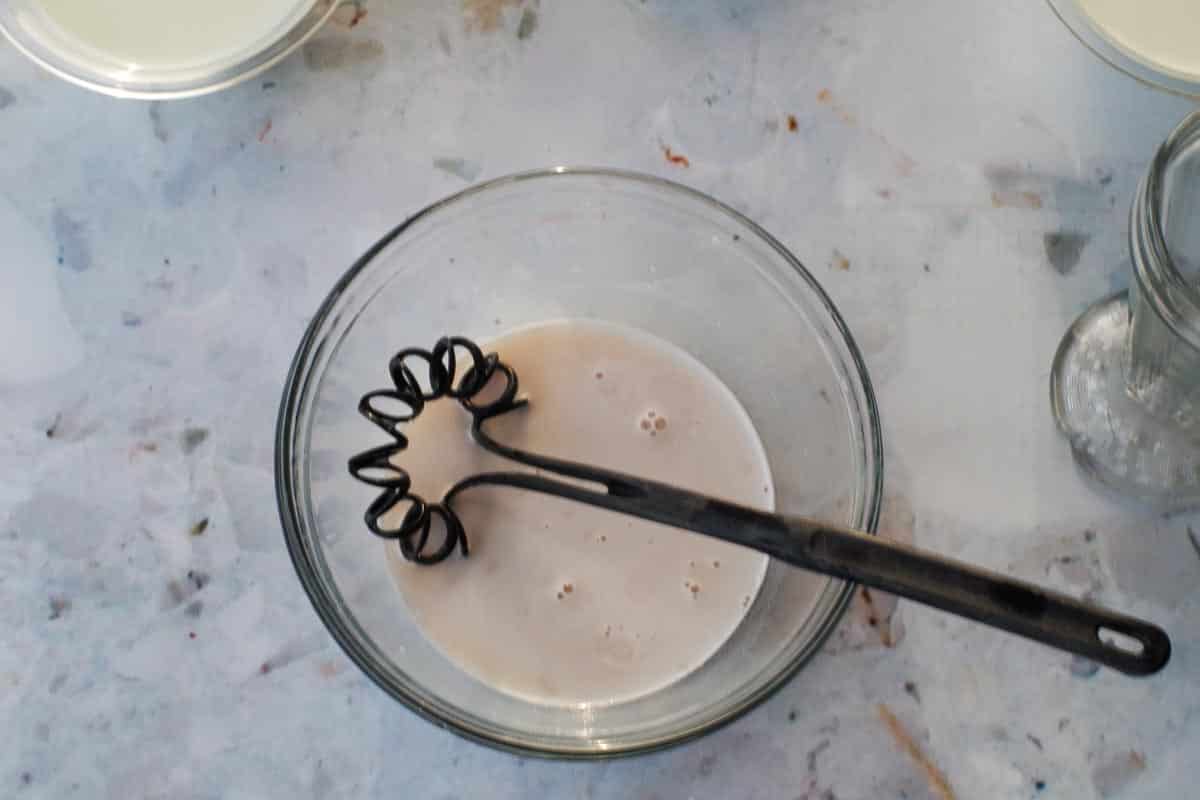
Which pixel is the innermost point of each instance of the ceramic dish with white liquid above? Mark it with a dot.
(635, 280)
(159, 49)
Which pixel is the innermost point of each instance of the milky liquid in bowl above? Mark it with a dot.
(1162, 34)
(167, 34)
(560, 603)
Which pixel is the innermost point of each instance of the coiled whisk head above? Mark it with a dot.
(392, 408)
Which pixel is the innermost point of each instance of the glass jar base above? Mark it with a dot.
(1113, 437)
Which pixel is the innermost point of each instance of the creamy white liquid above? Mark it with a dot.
(1164, 34)
(560, 603)
(170, 34)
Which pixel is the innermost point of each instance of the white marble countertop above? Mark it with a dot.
(159, 262)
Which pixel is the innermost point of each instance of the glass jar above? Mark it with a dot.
(1163, 362)
(1125, 387)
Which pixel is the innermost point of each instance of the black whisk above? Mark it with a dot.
(1115, 640)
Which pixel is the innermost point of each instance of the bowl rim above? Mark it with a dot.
(251, 66)
(288, 502)
(1076, 20)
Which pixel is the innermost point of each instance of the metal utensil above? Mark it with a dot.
(1124, 643)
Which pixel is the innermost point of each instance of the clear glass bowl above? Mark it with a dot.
(1124, 59)
(34, 32)
(580, 243)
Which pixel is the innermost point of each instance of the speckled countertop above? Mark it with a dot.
(957, 175)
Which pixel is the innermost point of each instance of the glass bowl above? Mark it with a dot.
(34, 32)
(1124, 58)
(596, 244)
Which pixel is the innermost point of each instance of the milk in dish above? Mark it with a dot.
(171, 34)
(560, 603)
(1163, 34)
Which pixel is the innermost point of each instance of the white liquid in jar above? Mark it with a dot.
(560, 603)
(170, 34)
(1163, 34)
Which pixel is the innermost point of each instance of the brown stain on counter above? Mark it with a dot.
(338, 52)
(677, 159)
(1017, 185)
(871, 619)
(1114, 775)
(937, 780)
(903, 163)
(876, 616)
(485, 16)
(349, 15)
(825, 98)
(1008, 199)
